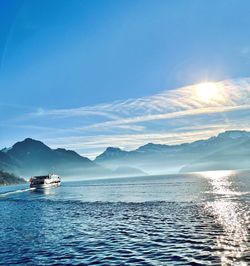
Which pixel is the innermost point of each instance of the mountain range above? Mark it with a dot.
(32, 157)
(229, 150)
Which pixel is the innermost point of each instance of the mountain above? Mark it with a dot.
(10, 179)
(34, 157)
(228, 150)
(219, 152)
(234, 156)
(7, 162)
(111, 153)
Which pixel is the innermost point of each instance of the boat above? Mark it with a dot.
(45, 181)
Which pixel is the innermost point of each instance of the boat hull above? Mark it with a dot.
(44, 182)
(43, 186)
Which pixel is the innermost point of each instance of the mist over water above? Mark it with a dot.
(192, 219)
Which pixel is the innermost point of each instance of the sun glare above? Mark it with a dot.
(206, 91)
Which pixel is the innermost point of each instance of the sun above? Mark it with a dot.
(207, 91)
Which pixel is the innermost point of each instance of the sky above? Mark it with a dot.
(88, 74)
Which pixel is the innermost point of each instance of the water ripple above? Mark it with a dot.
(52, 229)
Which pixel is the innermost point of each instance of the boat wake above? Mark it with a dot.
(5, 194)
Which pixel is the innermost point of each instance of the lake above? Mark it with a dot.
(192, 219)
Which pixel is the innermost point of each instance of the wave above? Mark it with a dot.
(5, 194)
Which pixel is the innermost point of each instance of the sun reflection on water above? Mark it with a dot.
(231, 214)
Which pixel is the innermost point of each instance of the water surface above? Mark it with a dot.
(194, 219)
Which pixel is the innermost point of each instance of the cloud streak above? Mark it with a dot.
(173, 116)
(230, 93)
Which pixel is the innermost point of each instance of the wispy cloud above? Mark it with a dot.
(231, 93)
(173, 116)
(126, 141)
(91, 146)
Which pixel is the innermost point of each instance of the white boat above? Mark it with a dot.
(45, 181)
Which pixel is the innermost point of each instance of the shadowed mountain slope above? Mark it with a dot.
(34, 157)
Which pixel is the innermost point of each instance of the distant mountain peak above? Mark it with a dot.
(29, 143)
(32, 141)
(113, 149)
(234, 134)
(111, 152)
(151, 147)
(29, 140)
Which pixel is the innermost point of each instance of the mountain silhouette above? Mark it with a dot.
(229, 150)
(33, 157)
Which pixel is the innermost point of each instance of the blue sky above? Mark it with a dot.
(82, 74)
